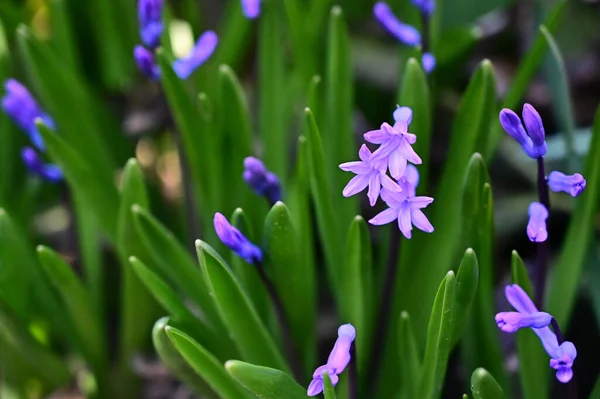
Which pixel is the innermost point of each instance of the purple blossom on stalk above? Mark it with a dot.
(202, 50)
(151, 24)
(532, 141)
(37, 167)
(251, 8)
(573, 184)
(536, 228)
(146, 62)
(562, 356)
(236, 241)
(395, 143)
(405, 33)
(23, 109)
(427, 7)
(337, 361)
(405, 206)
(369, 172)
(261, 181)
(428, 62)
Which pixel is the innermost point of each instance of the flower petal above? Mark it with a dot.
(385, 217)
(420, 221)
(397, 164)
(564, 374)
(519, 299)
(374, 188)
(202, 50)
(378, 136)
(356, 185)
(404, 223)
(403, 32)
(357, 167)
(403, 117)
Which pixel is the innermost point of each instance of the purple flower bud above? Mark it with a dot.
(404, 33)
(535, 127)
(37, 167)
(23, 109)
(251, 8)
(150, 19)
(563, 362)
(146, 62)
(260, 180)
(573, 184)
(202, 50)
(536, 228)
(533, 140)
(427, 7)
(511, 321)
(236, 241)
(428, 62)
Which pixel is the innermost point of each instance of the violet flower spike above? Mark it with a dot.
(405, 33)
(23, 109)
(236, 241)
(532, 141)
(536, 228)
(48, 172)
(337, 361)
(369, 172)
(395, 143)
(150, 20)
(428, 62)
(573, 184)
(405, 206)
(146, 62)
(261, 181)
(201, 52)
(426, 7)
(251, 8)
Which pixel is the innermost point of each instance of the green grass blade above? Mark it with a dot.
(484, 386)
(410, 359)
(467, 280)
(264, 382)
(328, 389)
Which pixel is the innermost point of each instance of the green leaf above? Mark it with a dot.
(466, 289)
(566, 274)
(328, 389)
(264, 382)
(533, 360)
(484, 386)
(455, 43)
(63, 36)
(206, 365)
(234, 37)
(247, 331)
(596, 391)
(176, 364)
(314, 97)
(410, 359)
(77, 303)
(295, 282)
(439, 334)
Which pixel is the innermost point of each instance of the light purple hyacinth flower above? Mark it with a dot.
(150, 20)
(146, 62)
(236, 241)
(251, 8)
(428, 62)
(405, 206)
(369, 172)
(395, 143)
(427, 7)
(536, 228)
(23, 109)
(532, 141)
(563, 355)
(337, 361)
(202, 50)
(48, 172)
(573, 184)
(261, 181)
(405, 33)
(512, 321)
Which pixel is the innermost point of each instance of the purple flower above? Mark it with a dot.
(405, 33)
(573, 184)
(262, 181)
(395, 143)
(146, 62)
(337, 361)
(427, 7)
(37, 167)
(428, 62)
(150, 19)
(251, 8)
(369, 172)
(536, 228)
(23, 109)
(202, 50)
(405, 206)
(562, 356)
(236, 241)
(532, 141)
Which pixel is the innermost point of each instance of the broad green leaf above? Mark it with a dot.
(88, 329)
(235, 36)
(264, 382)
(206, 365)
(484, 386)
(566, 274)
(466, 289)
(533, 360)
(247, 331)
(328, 389)
(63, 36)
(294, 280)
(410, 359)
(297, 12)
(439, 335)
(176, 364)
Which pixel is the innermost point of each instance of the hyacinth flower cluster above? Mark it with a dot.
(404, 33)
(23, 109)
(150, 15)
(398, 191)
(562, 353)
(262, 181)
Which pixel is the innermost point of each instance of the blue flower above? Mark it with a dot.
(427, 7)
(146, 62)
(202, 50)
(563, 361)
(532, 141)
(406, 34)
(236, 241)
(536, 228)
(251, 8)
(150, 19)
(428, 62)
(261, 180)
(37, 167)
(573, 184)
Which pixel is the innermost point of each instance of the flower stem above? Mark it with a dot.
(288, 343)
(353, 374)
(541, 247)
(425, 26)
